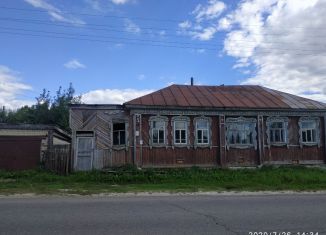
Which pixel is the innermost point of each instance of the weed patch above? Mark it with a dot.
(130, 179)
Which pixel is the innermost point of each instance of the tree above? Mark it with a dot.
(47, 110)
(42, 108)
(60, 106)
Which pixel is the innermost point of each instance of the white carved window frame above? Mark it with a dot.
(241, 120)
(182, 119)
(317, 122)
(126, 122)
(269, 122)
(151, 127)
(209, 127)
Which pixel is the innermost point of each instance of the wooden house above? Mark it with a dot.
(206, 126)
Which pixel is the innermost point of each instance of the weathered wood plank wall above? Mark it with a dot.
(99, 122)
(172, 156)
(57, 159)
(295, 154)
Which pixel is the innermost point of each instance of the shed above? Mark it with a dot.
(23, 146)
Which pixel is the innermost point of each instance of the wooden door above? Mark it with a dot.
(84, 153)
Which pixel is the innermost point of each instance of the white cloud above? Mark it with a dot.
(95, 4)
(55, 13)
(212, 10)
(276, 43)
(74, 64)
(112, 96)
(10, 88)
(283, 41)
(205, 35)
(162, 32)
(131, 27)
(119, 45)
(141, 77)
(185, 24)
(200, 51)
(203, 28)
(120, 2)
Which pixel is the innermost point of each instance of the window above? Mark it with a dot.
(119, 133)
(180, 132)
(202, 132)
(277, 130)
(157, 131)
(277, 133)
(309, 131)
(241, 132)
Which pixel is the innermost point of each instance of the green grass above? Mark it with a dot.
(169, 180)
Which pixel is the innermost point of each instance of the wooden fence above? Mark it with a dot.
(58, 159)
(107, 158)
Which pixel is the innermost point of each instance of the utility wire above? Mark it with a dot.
(115, 28)
(41, 22)
(107, 41)
(95, 15)
(150, 44)
(141, 18)
(150, 41)
(107, 28)
(109, 37)
(84, 24)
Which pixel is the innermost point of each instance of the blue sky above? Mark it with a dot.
(112, 58)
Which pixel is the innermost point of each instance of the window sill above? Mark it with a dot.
(158, 146)
(278, 144)
(240, 146)
(119, 147)
(202, 146)
(181, 146)
(309, 144)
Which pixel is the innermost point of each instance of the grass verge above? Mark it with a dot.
(169, 180)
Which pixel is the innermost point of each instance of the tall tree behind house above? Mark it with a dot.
(47, 110)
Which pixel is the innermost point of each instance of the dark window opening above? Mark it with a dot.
(119, 134)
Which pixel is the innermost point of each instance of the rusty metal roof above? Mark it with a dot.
(241, 96)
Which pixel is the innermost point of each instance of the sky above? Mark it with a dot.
(115, 50)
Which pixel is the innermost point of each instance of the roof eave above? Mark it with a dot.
(133, 106)
(96, 106)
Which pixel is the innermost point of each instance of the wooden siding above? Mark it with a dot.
(294, 153)
(178, 157)
(100, 123)
(105, 155)
(57, 159)
(170, 155)
(241, 157)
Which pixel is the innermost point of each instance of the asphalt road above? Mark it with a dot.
(163, 214)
